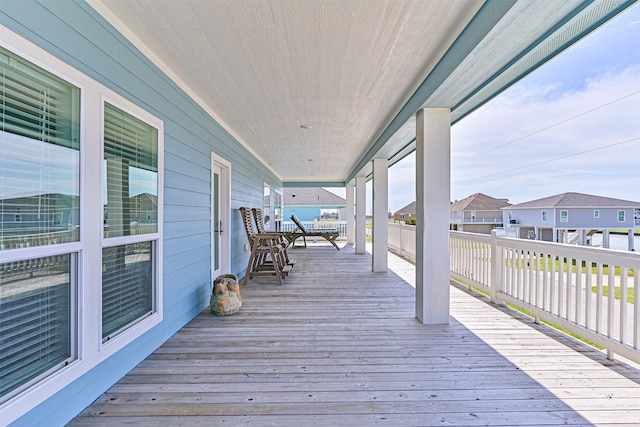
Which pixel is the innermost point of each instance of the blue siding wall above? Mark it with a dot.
(302, 212)
(78, 35)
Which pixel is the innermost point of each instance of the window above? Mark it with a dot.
(473, 214)
(564, 216)
(596, 213)
(39, 185)
(510, 215)
(620, 216)
(544, 216)
(40, 146)
(42, 274)
(131, 199)
(277, 214)
(266, 206)
(36, 323)
(127, 288)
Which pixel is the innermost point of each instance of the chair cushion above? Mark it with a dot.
(296, 220)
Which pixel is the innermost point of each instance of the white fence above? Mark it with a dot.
(573, 287)
(340, 225)
(402, 238)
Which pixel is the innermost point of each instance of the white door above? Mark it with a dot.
(220, 215)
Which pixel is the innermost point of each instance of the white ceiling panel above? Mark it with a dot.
(353, 70)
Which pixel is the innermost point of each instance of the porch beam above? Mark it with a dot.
(350, 215)
(361, 217)
(380, 224)
(433, 145)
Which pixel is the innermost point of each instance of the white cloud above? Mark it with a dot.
(527, 132)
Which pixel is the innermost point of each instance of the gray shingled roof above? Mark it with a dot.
(479, 202)
(305, 196)
(577, 200)
(409, 209)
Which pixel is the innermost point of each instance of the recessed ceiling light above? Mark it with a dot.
(305, 126)
(309, 160)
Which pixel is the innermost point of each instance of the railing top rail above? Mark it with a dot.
(613, 256)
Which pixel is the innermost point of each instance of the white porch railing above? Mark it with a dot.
(457, 220)
(402, 238)
(561, 284)
(340, 225)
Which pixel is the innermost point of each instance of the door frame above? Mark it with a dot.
(225, 214)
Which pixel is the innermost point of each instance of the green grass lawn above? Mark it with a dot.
(605, 292)
(574, 268)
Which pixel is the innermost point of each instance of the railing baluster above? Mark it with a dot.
(588, 295)
(578, 296)
(623, 304)
(611, 308)
(599, 298)
(636, 309)
(570, 313)
(561, 288)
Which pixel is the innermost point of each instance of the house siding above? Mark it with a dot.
(578, 218)
(304, 213)
(76, 34)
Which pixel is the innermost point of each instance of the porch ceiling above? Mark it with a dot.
(355, 71)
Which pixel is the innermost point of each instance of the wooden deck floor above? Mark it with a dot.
(339, 345)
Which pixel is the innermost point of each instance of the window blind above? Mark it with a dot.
(127, 285)
(35, 325)
(131, 164)
(130, 139)
(39, 156)
(38, 104)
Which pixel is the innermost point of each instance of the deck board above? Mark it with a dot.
(339, 345)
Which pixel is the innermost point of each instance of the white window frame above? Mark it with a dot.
(156, 245)
(564, 215)
(266, 207)
(544, 216)
(621, 215)
(86, 320)
(596, 213)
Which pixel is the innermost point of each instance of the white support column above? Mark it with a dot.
(361, 215)
(380, 226)
(631, 239)
(433, 146)
(582, 237)
(350, 216)
(606, 238)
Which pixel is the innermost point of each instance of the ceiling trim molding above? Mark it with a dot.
(313, 184)
(487, 17)
(112, 19)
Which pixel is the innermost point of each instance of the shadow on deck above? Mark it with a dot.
(339, 345)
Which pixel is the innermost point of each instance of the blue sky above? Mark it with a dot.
(572, 125)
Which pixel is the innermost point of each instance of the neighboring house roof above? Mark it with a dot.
(479, 202)
(146, 196)
(35, 198)
(576, 200)
(308, 196)
(409, 209)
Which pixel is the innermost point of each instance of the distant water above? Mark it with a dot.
(616, 241)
